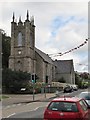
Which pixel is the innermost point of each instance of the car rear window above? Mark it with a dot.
(63, 106)
(83, 105)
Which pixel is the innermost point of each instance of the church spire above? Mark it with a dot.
(13, 17)
(20, 19)
(27, 16)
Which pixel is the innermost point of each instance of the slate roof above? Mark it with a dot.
(64, 66)
(44, 56)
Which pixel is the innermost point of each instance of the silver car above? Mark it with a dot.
(86, 96)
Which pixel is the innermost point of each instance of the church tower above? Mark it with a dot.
(22, 57)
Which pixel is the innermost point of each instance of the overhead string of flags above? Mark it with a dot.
(60, 54)
(81, 64)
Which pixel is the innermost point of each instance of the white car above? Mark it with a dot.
(75, 87)
(86, 96)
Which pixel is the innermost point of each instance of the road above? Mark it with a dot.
(30, 110)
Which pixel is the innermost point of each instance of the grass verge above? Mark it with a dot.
(3, 97)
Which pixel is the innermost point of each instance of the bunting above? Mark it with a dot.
(82, 64)
(60, 54)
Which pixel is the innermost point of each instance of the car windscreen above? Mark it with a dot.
(63, 106)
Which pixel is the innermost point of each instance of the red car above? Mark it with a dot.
(67, 108)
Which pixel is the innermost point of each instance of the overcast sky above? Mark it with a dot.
(60, 26)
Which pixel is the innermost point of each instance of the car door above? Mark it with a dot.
(84, 109)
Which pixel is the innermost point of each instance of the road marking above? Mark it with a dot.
(36, 108)
(39, 107)
(19, 104)
(29, 104)
(11, 115)
(7, 106)
(13, 105)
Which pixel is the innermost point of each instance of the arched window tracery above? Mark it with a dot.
(19, 39)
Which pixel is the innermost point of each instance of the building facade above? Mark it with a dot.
(23, 45)
(65, 70)
(26, 57)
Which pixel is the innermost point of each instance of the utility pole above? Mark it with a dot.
(33, 92)
(45, 90)
(33, 81)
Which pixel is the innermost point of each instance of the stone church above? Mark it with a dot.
(26, 57)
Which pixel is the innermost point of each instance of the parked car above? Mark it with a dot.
(67, 108)
(86, 96)
(75, 88)
(68, 88)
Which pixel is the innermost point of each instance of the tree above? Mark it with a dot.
(5, 50)
(13, 81)
(76, 78)
(84, 75)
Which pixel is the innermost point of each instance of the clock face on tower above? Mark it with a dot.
(19, 52)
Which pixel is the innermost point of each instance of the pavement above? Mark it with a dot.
(26, 98)
(0, 110)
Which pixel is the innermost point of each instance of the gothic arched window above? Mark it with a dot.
(19, 39)
(31, 40)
